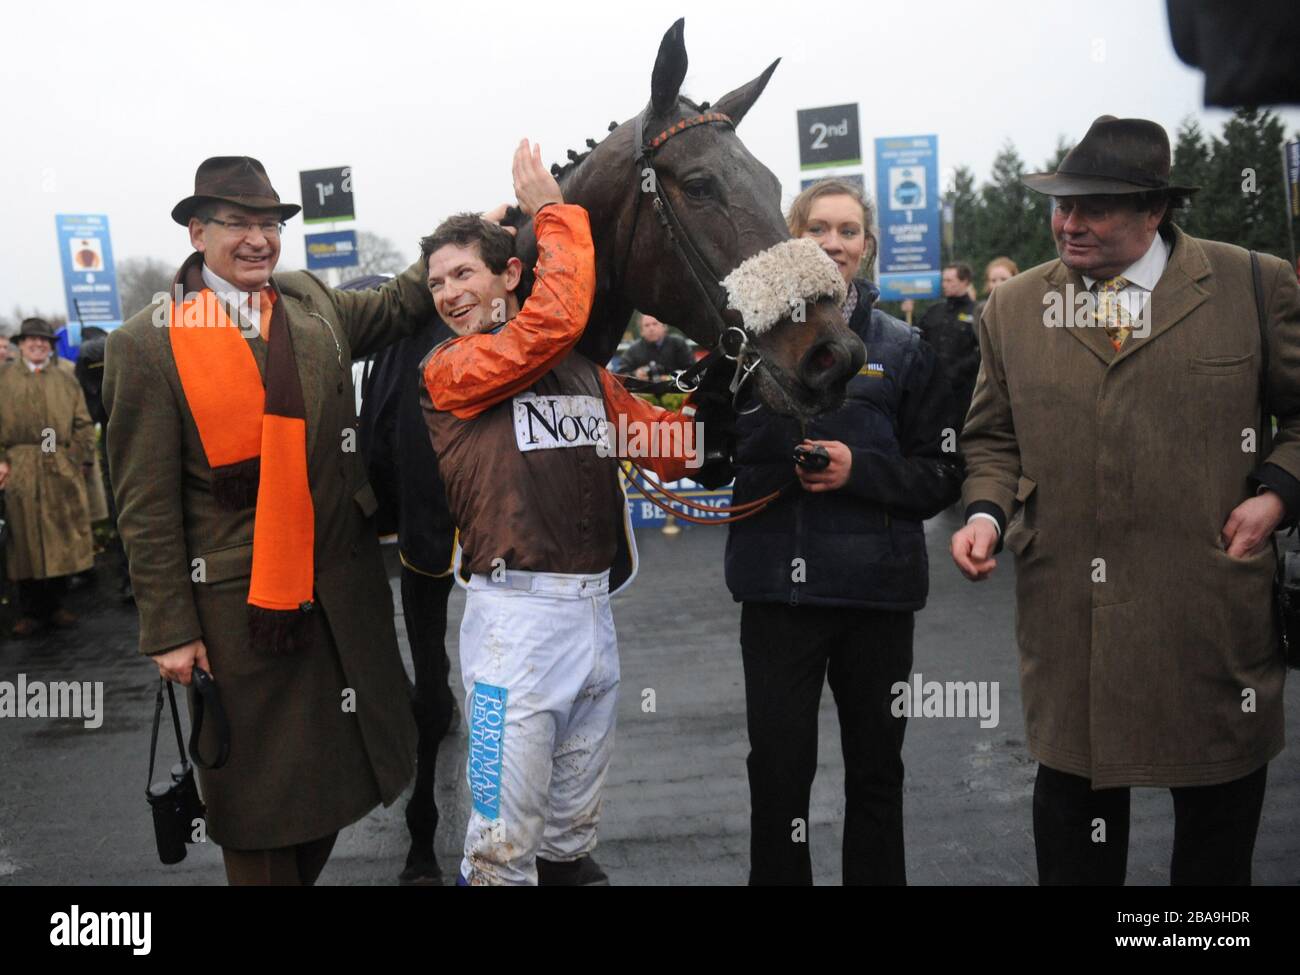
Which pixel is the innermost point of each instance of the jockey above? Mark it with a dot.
(522, 425)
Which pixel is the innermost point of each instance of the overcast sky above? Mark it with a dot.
(109, 108)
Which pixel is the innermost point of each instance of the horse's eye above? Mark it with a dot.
(698, 189)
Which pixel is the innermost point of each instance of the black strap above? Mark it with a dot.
(700, 273)
(157, 721)
(209, 697)
(657, 387)
(1265, 413)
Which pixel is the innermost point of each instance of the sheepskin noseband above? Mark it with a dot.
(774, 283)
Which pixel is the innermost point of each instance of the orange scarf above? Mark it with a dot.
(255, 440)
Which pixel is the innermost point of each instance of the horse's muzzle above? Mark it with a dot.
(831, 362)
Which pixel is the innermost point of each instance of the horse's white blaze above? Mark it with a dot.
(774, 283)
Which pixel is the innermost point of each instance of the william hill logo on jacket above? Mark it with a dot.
(550, 422)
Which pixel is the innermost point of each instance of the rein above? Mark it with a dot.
(734, 513)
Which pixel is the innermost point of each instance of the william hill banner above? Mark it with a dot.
(335, 249)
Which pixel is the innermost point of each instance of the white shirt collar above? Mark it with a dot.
(1146, 270)
(33, 367)
(241, 300)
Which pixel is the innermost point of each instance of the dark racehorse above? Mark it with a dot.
(676, 203)
(403, 471)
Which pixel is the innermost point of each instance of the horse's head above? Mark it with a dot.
(679, 206)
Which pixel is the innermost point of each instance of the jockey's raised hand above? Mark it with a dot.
(534, 185)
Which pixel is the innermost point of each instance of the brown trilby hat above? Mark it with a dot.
(240, 180)
(37, 327)
(1118, 155)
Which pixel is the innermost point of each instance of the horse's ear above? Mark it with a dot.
(738, 102)
(670, 69)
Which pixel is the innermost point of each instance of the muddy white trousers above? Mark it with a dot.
(539, 661)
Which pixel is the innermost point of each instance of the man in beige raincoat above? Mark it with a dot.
(47, 443)
(1113, 445)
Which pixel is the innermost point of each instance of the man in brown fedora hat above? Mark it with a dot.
(47, 442)
(248, 522)
(1114, 446)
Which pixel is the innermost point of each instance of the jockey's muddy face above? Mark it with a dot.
(241, 246)
(469, 297)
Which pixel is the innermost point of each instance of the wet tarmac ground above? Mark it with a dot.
(72, 807)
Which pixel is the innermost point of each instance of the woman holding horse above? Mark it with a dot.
(831, 575)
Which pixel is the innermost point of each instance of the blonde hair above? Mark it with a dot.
(797, 218)
(1005, 262)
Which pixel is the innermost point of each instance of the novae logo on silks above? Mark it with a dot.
(561, 420)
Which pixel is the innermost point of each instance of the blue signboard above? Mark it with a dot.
(335, 249)
(89, 280)
(907, 188)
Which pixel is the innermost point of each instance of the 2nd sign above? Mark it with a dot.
(829, 137)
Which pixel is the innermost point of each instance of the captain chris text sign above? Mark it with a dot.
(89, 281)
(907, 188)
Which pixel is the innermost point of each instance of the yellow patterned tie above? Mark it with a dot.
(1111, 315)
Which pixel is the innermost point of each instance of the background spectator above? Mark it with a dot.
(950, 328)
(47, 442)
(656, 354)
(998, 270)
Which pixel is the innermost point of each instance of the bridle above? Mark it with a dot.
(733, 341)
